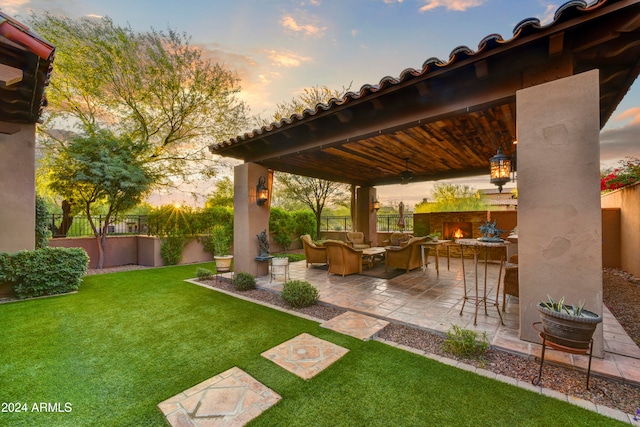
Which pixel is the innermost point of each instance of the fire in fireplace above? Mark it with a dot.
(457, 230)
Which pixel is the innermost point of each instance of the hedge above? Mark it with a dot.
(44, 271)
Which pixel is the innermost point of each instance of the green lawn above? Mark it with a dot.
(128, 341)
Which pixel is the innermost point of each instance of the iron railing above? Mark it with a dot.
(137, 224)
(125, 224)
(383, 223)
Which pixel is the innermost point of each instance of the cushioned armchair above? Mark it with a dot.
(356, 240)
(397, 238)
(406, 257)
(314, 254)
(343, 259)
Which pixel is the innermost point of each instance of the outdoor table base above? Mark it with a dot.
(369, 255)
(543, 336)
(433, 244)
(478, 299)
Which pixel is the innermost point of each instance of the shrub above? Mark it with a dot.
(42, 223)
(465, 342)
(298, 293)
(45, 271)
(244, 281)
(304, 222)
(203, 273)
(281, 227)
(171, 248)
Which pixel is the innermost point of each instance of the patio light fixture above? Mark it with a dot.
(375, 204)
(500, 169)
(262, 192)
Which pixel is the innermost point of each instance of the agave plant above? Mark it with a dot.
(559, 306)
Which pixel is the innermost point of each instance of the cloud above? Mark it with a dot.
(392, 1)
(457, 5)
(286, 59)
(616, 144)
(12, 7)
(309, 29)
(549, 14)
(631, 113)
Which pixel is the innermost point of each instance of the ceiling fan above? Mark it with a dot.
(406, 174)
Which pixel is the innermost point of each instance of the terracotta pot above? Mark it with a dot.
(569, 331)
(223, 263)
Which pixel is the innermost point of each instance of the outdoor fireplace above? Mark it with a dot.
(457, 230)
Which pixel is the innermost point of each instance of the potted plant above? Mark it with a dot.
(566, 325)
(434, 236)
(221, 239)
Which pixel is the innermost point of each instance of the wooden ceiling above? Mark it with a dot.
(29, 59)
(448, 119)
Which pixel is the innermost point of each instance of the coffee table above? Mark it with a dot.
(369, 255)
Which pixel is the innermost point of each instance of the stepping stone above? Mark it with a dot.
(356, 325)
(232, 398)
(305, 355)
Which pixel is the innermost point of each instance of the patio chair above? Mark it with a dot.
(397, 239)
(356, 240)
(406, 257)
(511, 286)
(343, 259)
(314, 254)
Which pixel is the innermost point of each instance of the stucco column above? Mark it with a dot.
(18, 190)
(366, 218)
(559, 215)
(249, 219)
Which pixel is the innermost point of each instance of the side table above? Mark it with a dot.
(433, 244)
(478, 299)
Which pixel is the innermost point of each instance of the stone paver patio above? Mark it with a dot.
(305, 355)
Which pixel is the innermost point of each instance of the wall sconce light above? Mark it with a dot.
(262, 192)
(500, 169)
(375, 205)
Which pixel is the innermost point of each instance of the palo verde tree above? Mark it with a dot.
(102, 169)
(453, 198)
(151, 87)
(314, 193)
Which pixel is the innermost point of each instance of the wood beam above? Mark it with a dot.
(9, 75)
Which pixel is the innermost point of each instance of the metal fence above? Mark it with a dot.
(79, 225)
(137, 224)
(383, 223)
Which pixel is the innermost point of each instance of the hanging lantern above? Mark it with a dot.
(262, 192)
(500, 165)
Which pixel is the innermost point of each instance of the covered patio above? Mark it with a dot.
(551, 87)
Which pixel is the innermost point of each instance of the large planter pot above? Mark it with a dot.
(223, 263)
(568, 331)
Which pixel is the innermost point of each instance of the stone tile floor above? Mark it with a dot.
(433, 302)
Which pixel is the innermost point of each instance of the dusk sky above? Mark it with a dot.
(278, 48)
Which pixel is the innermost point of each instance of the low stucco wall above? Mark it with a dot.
(136, 250)
(628, 201)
